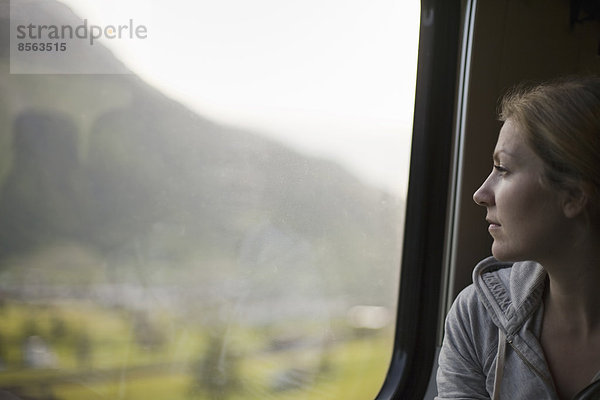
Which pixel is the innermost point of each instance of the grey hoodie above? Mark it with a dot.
(491, 348)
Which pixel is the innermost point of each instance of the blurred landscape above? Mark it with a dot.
(147, 252)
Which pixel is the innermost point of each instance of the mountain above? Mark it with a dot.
(132, 186)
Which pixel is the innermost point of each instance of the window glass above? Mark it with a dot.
(202, 199)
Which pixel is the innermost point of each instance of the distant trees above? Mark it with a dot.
(147, 334)
(216, 375)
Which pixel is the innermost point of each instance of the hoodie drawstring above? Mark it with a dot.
(499, 364)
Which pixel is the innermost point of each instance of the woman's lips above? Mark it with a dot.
(493, 224)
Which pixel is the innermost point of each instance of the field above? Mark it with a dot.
(75, 351)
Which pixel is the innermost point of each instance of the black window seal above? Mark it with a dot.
(427, 202)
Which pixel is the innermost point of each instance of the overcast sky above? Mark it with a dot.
(332, 78)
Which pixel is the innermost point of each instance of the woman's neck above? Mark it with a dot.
(573, 292)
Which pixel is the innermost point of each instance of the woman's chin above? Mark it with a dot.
(501, 254)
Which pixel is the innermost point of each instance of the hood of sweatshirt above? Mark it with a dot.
(510, 295)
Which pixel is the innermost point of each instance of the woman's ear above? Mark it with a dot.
(575, 201)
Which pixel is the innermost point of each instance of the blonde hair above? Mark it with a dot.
(561, 122)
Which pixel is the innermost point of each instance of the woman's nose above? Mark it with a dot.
(484, 195)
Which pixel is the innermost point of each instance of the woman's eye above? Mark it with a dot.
(500, 168)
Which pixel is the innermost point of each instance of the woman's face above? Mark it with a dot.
(526, 216)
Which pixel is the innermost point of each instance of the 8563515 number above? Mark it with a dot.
(44, 46)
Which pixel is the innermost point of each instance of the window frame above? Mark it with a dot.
(420, 289)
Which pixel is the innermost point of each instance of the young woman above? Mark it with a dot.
(529, 325)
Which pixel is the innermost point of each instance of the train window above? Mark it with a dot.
(203, 199)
